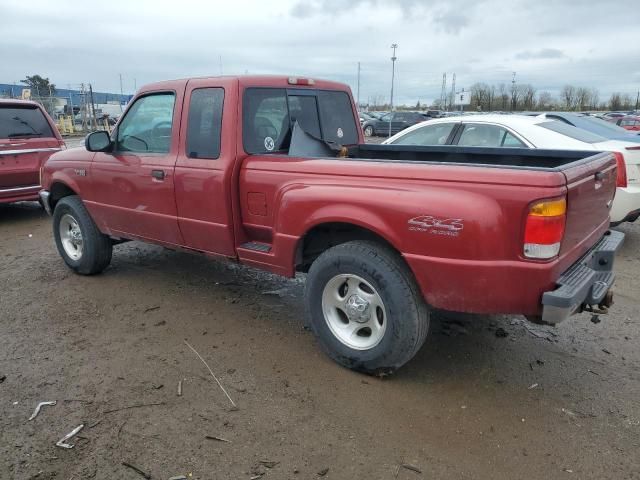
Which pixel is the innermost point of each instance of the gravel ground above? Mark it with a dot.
(538, 403)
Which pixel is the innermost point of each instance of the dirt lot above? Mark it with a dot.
(539, 403)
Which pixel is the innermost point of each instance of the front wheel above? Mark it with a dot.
(80, 244)
(368, 131)
(365, 307)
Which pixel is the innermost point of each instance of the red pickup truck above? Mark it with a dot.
(28, 137)
(272, 172)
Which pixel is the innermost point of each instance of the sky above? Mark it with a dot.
(591, 43)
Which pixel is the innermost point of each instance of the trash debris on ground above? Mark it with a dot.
(413, 468)
(137, 470)
(569, 412)
(501, 332)
(269, 463)
(179, 388)
(151, 309)
(178, 477)
(62, 442)
(137, 405)
(531, 387)
(280, 292)
(606, 351)
(323, 472)
(160, 323)
(2, 378)
(39, 406)
(218, 439)
(157, 387)
(212, 374)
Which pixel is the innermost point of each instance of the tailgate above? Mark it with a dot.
(21, 159)
(591, 186)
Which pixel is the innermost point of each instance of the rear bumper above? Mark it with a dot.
(19, 194)
(586, 282)
(626, 204)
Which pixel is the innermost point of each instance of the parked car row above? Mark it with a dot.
(547, 131)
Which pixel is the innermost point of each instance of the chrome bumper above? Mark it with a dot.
(44, 198)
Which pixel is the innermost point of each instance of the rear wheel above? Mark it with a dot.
(365, 307)
(80, 244)
(368, 131)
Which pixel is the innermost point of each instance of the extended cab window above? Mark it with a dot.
(205, 123)
(270, 113)
(23, 122)
(147, 126)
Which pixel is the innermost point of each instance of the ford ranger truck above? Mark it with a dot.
(272, 172)
(28, 137)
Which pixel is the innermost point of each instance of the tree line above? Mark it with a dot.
(485, 97)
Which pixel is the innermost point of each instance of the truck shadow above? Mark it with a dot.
(21, 212)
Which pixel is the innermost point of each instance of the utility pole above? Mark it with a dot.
(453, 92)
(358, 90)
(394, 46)
(121, 94)
(220, 59)
(93, 108)
(637, 100)
(513, 92)
(443, 93)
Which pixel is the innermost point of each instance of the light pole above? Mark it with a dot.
(393, 75)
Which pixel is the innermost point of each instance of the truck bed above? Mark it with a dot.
(536, 159)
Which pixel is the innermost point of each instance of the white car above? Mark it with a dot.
(521, 131)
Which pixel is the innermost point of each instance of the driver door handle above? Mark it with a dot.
(158, 174)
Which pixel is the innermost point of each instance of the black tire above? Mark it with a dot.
(369, 131)
(96, 247)
(407, 315)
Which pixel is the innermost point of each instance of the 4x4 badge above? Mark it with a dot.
(435, 225)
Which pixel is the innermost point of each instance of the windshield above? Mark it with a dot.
(572, 132)
(27, 121)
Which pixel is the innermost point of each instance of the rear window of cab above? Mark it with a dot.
(23, 121)
(270, 113)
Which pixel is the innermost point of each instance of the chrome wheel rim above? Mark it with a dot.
(354, 311)
(71, 237)
(368, 131)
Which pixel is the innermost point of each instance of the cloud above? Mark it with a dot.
(545, 53)
(451, 21)
(479, 40)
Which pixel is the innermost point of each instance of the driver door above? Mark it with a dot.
(133, 190)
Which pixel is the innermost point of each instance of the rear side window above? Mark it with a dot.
(482, 135)
(265, 120)
(572, 132)
(23, 122)
(434, 134)
(205, 123)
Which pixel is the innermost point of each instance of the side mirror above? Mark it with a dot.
(97, 141)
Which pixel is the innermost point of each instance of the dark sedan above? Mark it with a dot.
(398, 120)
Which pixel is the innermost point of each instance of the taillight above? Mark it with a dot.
(621, 178)
(545, 228)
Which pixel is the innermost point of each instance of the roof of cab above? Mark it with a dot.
(280, 81)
